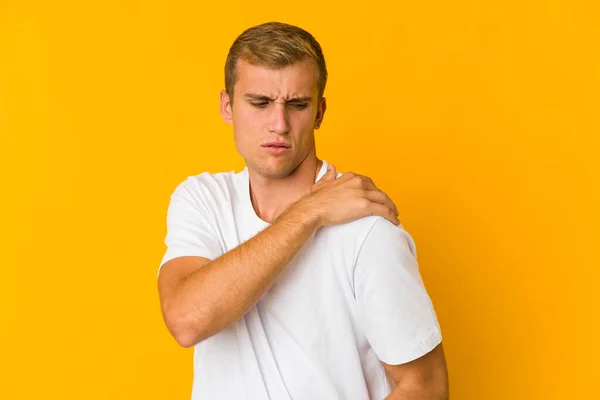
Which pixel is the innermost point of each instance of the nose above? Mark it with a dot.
(279, 122)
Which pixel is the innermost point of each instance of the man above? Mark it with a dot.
(290, 280)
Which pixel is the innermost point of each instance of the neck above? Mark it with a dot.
(270, 197)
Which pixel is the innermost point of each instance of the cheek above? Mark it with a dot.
(246, 131)
(303, 121)
(247, 119)
(244, 121)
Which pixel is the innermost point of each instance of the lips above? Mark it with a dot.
(277, 144)
(276, 147)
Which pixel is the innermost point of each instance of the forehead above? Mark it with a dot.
(298, 79)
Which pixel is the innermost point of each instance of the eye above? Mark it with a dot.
(298, 106)
(261, 104)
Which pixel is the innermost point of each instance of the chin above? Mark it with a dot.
(275, 170)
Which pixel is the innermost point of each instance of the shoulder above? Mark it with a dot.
(206, 185)
(373, 233)
(384, 235)
(352, 236)
(206, 193)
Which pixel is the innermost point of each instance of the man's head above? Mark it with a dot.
(275, 77)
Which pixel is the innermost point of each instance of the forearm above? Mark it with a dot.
(221, 292)
(425, 390)
(401, 393)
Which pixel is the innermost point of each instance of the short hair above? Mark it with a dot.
(274, 45)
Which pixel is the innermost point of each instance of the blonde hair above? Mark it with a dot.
(274, 45)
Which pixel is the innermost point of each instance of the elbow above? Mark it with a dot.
(182, 333)
(185, 340)
(187, 327)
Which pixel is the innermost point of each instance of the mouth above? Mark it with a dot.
(276, 147)
(277, 144)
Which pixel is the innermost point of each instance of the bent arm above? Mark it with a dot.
(397, 314)
(200, 297)
(425, 378)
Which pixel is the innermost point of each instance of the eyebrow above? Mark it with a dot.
(260, 97)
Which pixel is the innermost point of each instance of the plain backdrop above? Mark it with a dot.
(479, 118)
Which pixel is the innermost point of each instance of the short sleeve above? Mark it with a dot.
(189, 228)
(396, 313)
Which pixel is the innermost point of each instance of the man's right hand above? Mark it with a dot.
(339, 200)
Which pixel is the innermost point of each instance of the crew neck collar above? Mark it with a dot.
(248, 202)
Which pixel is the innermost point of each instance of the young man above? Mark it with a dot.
(290, 280)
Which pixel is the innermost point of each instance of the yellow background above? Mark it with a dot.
(480, 119)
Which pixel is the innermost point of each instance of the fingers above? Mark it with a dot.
(358, 181)
(356, 188)
(379, 197)
(383, 211)
(369, 190)
(329, 175)
(331, 172)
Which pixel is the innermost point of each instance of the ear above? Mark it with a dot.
(320, 113)
(226, 112)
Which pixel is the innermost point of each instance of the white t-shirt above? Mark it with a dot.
(351, 297)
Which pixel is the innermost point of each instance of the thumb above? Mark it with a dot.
(331, 173)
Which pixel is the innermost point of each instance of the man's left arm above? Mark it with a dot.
(397, 315)
(420, 379)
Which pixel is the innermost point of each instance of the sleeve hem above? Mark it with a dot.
(170, 255)
(414, 349)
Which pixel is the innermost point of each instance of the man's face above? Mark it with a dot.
(274, 114)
